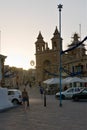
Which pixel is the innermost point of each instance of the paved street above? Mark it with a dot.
(71, 116)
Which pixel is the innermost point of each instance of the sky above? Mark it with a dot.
(21, 21)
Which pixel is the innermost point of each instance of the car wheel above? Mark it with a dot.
(15, 102)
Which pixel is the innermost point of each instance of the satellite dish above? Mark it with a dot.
(32, 63)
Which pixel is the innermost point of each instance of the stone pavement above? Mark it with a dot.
(71, 116)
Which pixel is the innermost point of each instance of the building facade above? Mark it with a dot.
(2, 60)
(74, 63)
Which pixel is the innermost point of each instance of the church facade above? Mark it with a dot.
(74, 63)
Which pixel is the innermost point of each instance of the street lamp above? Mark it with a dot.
(60, 62)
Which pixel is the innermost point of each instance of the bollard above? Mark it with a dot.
(28, 104)
(44, 99)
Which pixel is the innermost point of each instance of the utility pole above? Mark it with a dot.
(60, 67)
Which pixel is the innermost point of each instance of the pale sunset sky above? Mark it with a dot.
(21, 21)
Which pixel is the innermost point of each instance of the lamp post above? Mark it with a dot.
(60, 62)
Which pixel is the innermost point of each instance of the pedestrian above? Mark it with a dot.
(65, 87)
(25, 98)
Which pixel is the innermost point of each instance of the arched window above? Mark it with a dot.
(38, 48)
(54, 46)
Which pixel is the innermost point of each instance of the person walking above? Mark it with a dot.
(25, 98)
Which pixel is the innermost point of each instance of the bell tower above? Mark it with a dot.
(40, 44)
(56, 40)
(79, 51)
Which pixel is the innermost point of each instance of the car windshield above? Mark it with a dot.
(84, 91)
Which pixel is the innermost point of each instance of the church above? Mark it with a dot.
(74, 62)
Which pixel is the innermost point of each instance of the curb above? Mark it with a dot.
(6, 109)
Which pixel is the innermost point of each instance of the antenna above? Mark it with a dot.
(80, 31)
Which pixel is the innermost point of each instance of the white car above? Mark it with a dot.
(15, 96)
(67, 94)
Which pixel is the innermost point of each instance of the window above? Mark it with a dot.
(10, 93)
(55, 46)
(71, 90)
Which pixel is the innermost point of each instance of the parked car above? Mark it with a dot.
(67, 94)
(15, 96)
(82, 95)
